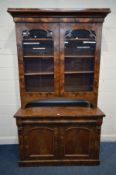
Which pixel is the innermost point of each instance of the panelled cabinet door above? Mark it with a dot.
(78, 142)
(38, 47)
(78, 56)
(40, 142)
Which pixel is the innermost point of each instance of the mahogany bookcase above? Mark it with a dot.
(59, 61)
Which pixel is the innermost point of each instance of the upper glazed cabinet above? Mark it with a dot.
(59, 53)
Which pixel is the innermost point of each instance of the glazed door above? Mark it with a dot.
(78, 50)
(38, 45)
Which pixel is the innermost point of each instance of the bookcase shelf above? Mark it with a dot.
(79, 56)
(38, 56)
(38, 73)
(78, 72)
(37, 39)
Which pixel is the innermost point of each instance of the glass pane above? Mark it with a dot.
(39, 47)
(39, 83)
(79, 52)
(38, 65)
(80, 33)
(38, 52)
(78, 82)
(79, 64)
(36, 33)
(75, 47)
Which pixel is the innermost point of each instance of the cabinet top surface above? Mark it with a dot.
(59, 11)
(59, 112)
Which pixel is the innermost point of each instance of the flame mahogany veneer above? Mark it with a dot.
(50, 132)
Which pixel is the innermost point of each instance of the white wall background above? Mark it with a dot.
(9, 87)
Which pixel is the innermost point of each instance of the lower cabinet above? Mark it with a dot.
(58, 142)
